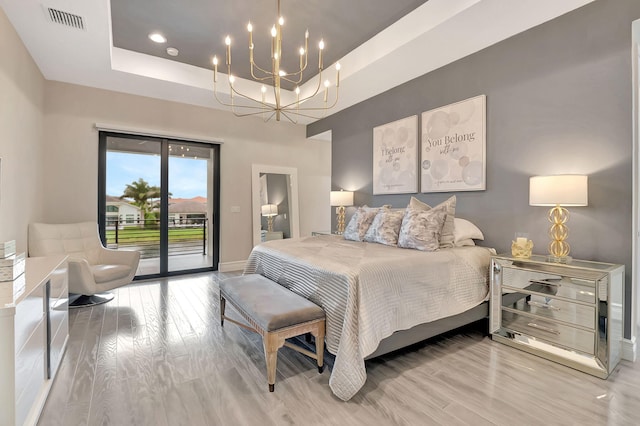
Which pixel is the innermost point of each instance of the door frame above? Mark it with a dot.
(214, 190)
(629, 348)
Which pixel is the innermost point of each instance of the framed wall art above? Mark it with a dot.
(395, 157)
(453, 147)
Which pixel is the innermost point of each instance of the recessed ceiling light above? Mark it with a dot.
(172, 51)
(158, 38)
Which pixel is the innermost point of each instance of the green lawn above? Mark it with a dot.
(138, 235)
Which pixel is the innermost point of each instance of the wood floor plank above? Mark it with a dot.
(157, 355)
(147, 404)
(83, 381)
(75, 414)
(106, 402)
(230, 388)
(187, 405)
(127, 323)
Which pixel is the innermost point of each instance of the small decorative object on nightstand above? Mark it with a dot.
(521, 247)
(570, 314)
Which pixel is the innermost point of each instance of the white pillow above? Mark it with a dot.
(464, 243)
(464, 230)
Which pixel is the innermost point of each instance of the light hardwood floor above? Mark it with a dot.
(156, 355)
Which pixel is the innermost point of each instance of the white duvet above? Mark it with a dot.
(369, 291)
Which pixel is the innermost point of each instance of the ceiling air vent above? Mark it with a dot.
(65, 18)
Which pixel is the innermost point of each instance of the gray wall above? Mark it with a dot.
(559, 100)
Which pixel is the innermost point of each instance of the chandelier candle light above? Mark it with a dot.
(274, 77)
(340, 200)
(558, 191)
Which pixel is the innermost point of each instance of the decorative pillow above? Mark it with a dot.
(359, 223)
(421, 229)
(449, 207)
(464, 230)
(467, 242)
(385, 227)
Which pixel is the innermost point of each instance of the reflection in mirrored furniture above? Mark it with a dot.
(568, 313)
(274, 202)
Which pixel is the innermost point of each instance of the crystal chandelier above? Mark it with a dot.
(284, 104)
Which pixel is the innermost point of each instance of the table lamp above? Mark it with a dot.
(340, 200)
(269, 211)
(558, 191)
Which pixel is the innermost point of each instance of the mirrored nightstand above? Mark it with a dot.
(568, 313)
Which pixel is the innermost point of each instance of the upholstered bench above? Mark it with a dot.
(276, 314)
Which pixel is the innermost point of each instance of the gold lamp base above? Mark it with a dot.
(269, 223)
(340, 217)
(555, 259)
(559, 248)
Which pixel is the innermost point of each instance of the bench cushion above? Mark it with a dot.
(269, 304)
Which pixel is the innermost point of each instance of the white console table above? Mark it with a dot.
(34, 328)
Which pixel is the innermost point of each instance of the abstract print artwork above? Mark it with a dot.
(453, 147)
(395, 157)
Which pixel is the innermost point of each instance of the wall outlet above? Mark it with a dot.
(235, 209)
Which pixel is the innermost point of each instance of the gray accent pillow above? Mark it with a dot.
(359, 223)
(421, 229)
(449, 207)
(385, 227)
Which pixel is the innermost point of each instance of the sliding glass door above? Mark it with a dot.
(160, 197)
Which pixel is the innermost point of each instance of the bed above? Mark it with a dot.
(377, 298)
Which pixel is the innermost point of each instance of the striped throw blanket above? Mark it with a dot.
(369, 291)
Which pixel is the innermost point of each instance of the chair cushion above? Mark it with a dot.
(77, 239)
(105, 273)
(267, 303)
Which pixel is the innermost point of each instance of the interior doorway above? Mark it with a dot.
(160, 197)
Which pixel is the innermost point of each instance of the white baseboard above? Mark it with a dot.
(231, 266)
(629, 349)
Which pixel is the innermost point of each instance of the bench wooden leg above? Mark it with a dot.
(223, 303)
(271, 342)
(318, 333)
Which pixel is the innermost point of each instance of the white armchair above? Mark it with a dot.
(93, 269)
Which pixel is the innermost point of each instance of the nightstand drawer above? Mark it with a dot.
(553, 285)
(554, 309)
(559, 334)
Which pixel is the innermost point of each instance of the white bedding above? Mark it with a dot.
(369, 291)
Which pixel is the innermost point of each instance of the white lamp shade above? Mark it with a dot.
(341, 198)
(269, 210)
(563, 190)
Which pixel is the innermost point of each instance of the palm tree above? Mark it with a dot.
(142, 195)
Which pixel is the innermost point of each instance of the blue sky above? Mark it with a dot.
(187, 176)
